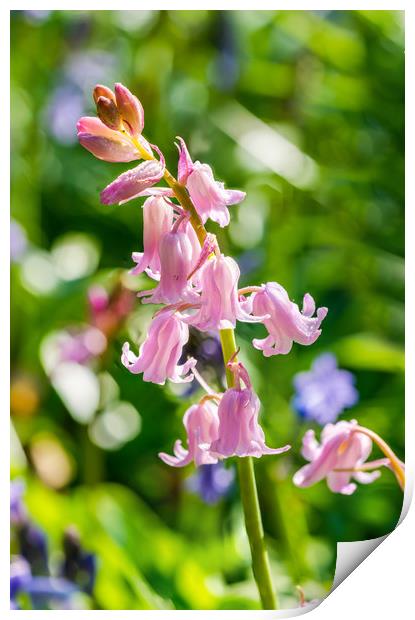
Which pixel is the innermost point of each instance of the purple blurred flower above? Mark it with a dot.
(18, 241)
(34, 548)
(20, 574)
(211, 482)
(81, 345)
(37, 16)
(18, 514)
(325, 391)
(85, 69)
(44, 592)
(65, 107)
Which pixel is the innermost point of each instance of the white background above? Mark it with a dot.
(383, 586)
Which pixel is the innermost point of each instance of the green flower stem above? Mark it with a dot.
(250, 503)
(183, 197)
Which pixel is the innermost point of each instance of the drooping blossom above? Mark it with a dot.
(116, 135)
(209, 196)
(157, 221)
(240, 433)
(342, 451)
(220, 305)
(325, 391)
(160, 352)
(286, 324)
(212, 482)
(177, 259)
(201, 424)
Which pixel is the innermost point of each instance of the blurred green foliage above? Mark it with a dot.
(304, 111)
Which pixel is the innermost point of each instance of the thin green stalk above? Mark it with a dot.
(250, 502)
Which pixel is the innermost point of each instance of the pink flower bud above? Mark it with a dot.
(157, 221)
(103, 142)
(103, 91)
(185, 165)
(177, 259)
(220, 306)
(341, 451)
(286, 324)
(210, 197)
(201, 424)
(98, 299)
(130, 109)
(132, 183)
(108, 113)
(239, 431)
(160, 352)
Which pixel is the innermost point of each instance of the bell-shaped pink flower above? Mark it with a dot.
(105, 143)
(342, 450)
(220, 305)
(209, 197)
(157, 221)
(201, 423)
(285, 323)
(133, 183)
(160, 352)
(239, 431)
(177, 260)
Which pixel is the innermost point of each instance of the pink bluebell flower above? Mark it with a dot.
(325, 391)
(157, 221)
(177, 257)
(342, 452)
(240, 433)
(209, 196)
(220, 304)
(134, 182)
(201, 424)
(159, 355)
(286, 324)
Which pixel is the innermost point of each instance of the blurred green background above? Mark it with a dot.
(304, 111)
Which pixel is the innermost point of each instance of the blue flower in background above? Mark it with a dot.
(211, 482)
(29, 571)
(44, 592)
(325, 391)
(78, 566)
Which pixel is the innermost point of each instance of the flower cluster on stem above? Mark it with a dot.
(199, 286)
